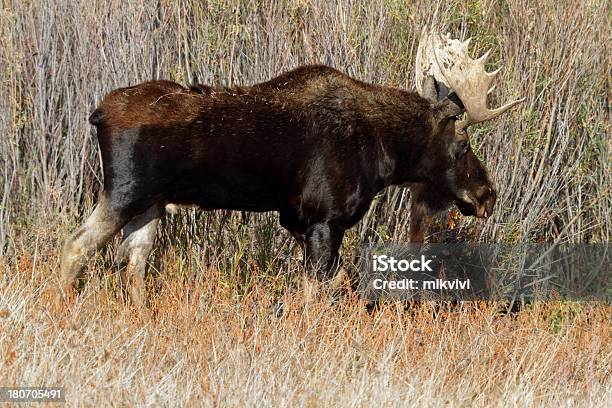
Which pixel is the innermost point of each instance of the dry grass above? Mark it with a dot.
(210, 337)
(202, 343)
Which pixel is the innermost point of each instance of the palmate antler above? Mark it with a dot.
(449, 62)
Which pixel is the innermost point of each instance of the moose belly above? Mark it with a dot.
(245, 192)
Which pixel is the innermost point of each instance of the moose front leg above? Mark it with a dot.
(425, 202)
(420, 216)
(419, 223)
(322, 244)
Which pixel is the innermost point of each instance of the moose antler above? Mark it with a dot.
(448, 61)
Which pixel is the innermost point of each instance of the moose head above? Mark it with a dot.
(443, 66)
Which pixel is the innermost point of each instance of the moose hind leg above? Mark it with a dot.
(138, 239)
(101, 225)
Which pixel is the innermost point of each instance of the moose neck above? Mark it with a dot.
(405, 132)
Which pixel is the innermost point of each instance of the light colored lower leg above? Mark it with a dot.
(138, 238)
(101, 225)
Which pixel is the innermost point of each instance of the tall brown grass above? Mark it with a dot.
(210, 337)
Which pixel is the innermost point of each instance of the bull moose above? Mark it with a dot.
(313, 144)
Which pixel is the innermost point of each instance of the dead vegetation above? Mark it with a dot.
(202, 343)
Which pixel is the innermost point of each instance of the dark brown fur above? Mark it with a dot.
(313, 144)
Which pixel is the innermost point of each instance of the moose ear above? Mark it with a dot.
(430, 89)
(449, 107)
(434, 90)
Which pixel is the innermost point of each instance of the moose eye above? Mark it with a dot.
(462, 148)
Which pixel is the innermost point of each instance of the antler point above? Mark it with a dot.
(484, 57)
(493, 73)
